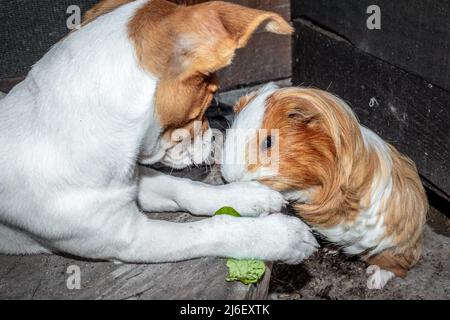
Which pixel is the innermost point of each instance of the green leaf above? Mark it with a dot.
(245, 271)
(227, 210)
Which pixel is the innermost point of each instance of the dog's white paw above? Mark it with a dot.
(301, 242)
(276, 237)
(293, 241)
(378, 277)
(252, 199)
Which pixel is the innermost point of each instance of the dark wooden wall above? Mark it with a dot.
(267, 57)
(31, 27)
(396, 78)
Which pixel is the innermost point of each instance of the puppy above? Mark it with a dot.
(129, 86)
(346, 182)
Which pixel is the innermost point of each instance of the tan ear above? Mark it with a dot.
(241, 21)
(180, 41)
(208, 34)
(244, 101)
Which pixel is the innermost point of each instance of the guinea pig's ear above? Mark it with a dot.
(301, 115)
(244, 101)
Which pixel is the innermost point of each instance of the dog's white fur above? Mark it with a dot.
(70, 136)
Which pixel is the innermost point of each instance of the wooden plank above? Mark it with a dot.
(404, 109)
(414, 35)
(45, 276)
(267, 57)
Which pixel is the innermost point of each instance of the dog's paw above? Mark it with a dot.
(378, 277)
(252, 199)
(299, 243)
(276, 237)
(286, 239)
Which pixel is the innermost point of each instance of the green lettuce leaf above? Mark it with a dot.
(245, 271)
(227, 210)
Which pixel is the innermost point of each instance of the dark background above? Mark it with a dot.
(31, 27)
(397, 79)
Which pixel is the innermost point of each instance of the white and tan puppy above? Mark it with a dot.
(116, 91)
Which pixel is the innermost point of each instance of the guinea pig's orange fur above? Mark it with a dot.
(323, 153)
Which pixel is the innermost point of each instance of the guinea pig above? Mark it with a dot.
(346, 182)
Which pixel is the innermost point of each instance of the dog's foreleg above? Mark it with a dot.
(15, 242)
(160, 192)
(129, 236)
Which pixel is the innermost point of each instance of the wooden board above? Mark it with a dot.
(267, 57)
(44, 277)
(404, 109)
(414, 35)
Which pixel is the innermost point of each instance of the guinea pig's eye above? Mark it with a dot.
(267, 143)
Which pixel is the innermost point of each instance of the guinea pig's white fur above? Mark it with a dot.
(346, 182)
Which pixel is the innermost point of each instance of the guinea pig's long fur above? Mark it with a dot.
(351, 186)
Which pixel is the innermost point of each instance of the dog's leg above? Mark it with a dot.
(160, 192)
(128, 235)
(16, 242)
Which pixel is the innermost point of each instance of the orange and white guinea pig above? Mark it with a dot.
(348, 184)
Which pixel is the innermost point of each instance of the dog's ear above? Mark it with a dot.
(176, 41)
(209, 34)
(241, 21)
